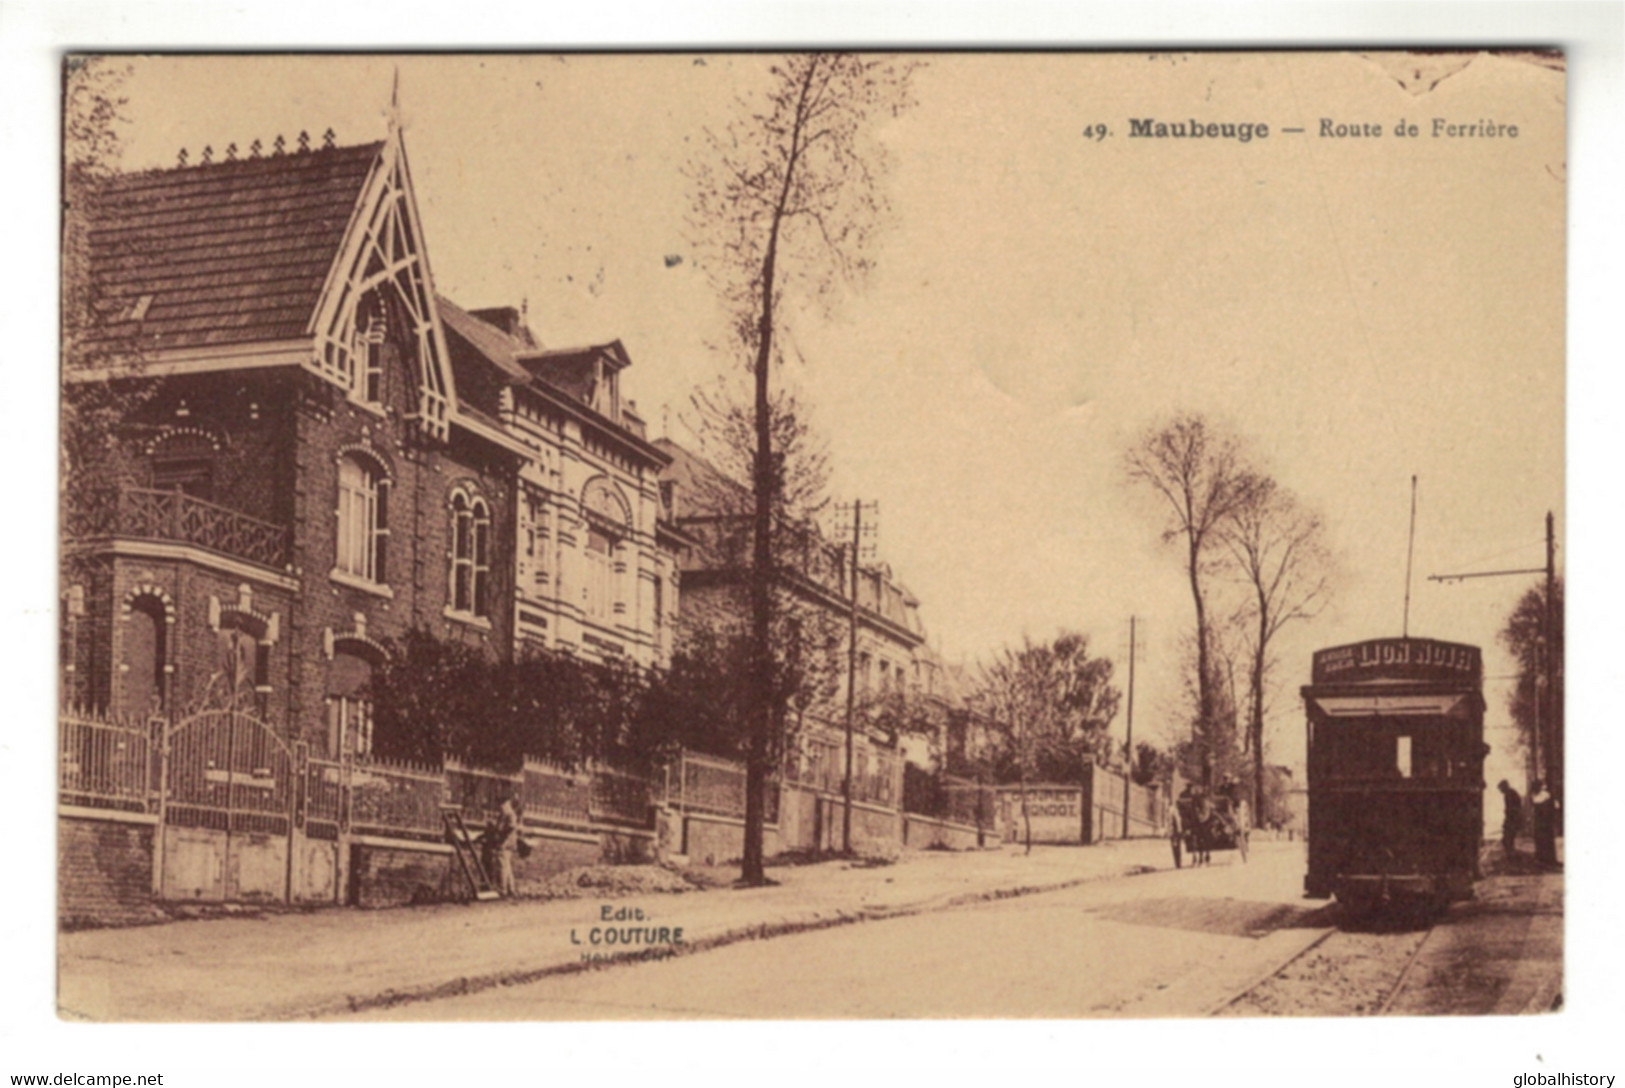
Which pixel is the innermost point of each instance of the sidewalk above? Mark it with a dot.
(299, 966)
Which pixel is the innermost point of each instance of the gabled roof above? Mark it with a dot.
(482, 357)
(574, 370)
(222, 253)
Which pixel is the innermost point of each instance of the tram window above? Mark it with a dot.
(1402, 756)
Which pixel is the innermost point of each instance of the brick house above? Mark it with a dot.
(595, 558)
(319, 453)
(892, 655)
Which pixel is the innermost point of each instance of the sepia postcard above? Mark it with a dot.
(789, 535)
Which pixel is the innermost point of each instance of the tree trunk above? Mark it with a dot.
(1255, 724)
(1204, 682)
(1026, 816)
(752, 868)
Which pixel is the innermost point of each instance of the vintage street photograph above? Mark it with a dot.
(793, 535)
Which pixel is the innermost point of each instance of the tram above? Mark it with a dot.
(1396, 772)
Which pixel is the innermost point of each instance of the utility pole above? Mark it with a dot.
(1542, 750)
(1410, 550)
(1553, 775)
(854, 551)
(1128, 744)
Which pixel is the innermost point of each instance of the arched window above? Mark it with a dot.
(470, 555)
(349, 704)
(362, 519)
(145, 652)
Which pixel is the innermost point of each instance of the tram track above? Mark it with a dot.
(1405, 973)
(1350, 968)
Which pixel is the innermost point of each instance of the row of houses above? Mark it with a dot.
(302, 451)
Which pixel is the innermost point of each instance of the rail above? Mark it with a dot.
(150, 514)
(396, 797)
(106, 762)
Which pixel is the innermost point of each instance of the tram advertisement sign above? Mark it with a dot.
(1398, 659)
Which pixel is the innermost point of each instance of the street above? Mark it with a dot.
(1167, 943)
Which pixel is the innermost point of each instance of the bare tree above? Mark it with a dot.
(787, 199)
(1198, 472)
(1277, 548)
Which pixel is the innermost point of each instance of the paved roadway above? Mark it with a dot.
(1161, 944)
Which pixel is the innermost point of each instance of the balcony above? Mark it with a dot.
(142, 513)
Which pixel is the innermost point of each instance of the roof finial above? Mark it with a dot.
(254, 149)
(394, 116)
(279, 145)
(327, 138)
(208, 153)
(304, 140)
(180, 160)
(231, 152)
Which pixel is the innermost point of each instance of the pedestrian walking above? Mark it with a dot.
(1545, 824)
(1512, 817)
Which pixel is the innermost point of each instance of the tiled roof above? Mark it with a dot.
(229, 252)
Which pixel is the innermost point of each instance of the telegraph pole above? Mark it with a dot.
(856, 549)
(1552, 777)
(1546, 703)
(1128, 775)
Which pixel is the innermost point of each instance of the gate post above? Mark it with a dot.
(342, 892)
(159, 728)
(297, 807)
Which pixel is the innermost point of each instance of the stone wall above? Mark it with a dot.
(925, 833)
(395, 875)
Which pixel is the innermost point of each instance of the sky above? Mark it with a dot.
(1355, 310)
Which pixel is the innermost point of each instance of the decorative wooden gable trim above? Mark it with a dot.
(383, 259)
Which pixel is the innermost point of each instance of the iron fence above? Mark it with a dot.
(108, 763)
(710, 784)
(400, 798)
(553, 795)
(479, 793)
(226, 768)
(621, 796)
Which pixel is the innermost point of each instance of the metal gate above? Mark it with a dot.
(228, 801)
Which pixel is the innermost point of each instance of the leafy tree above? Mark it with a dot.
(1524, 636)
(1050, 705)
(91, 412)
(435, 697)
(786, 201)
(1152, 765)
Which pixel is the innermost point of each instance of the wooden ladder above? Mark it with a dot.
(468, 856)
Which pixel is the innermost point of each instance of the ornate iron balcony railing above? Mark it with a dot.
(149, 514)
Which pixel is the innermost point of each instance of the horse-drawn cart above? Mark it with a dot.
(1201, 825)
